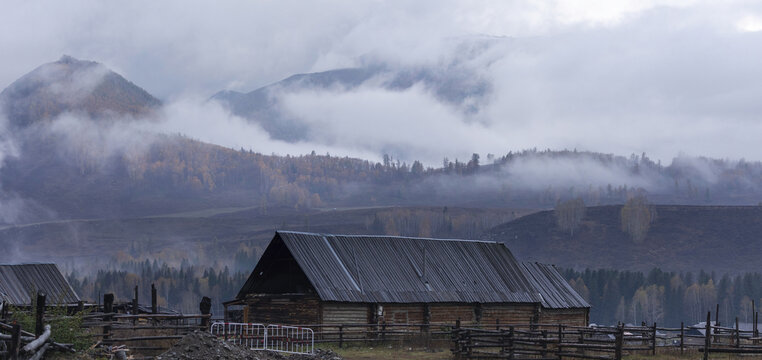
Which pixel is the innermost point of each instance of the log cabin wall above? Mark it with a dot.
(508, 313)
(574, 317)
(403, 313)
(449, 313)
(283, 309)
(345, 313)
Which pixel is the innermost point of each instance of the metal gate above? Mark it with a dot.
(287, 339)
(290, 339)
(252, 335)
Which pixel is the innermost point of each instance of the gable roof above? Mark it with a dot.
(391, 269)
(18, 282)
(555, 291)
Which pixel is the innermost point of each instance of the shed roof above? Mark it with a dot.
(18, 282)
(555, 291)
(391, 269)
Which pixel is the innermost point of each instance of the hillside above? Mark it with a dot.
(217, 236)
(72, 85)
(264, 105)
(682, 238)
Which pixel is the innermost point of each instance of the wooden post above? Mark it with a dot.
(383, 329)
(510, 342)
(682, 337)
(39, 327)
(205, 307)
(708, 337)
(618, 341)
(15, 345)
(717, 315)
(154, 301)
(653, 339)
(544, 343)
(108, 303)
(756, 326)
(560, 334)
(341, 336)
(108, 308)
(738, 334)
(80, 306)
(135, 310)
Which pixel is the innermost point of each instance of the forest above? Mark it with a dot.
(667, 298)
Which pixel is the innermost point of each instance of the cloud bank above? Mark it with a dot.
(661, 77)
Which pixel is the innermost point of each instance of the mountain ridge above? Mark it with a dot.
(73, 85)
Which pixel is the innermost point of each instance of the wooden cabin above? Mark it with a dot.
(308, 278)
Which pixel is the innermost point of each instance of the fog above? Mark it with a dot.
(666, 78)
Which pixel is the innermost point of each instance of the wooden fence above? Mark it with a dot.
(19, 344)
(554, 341)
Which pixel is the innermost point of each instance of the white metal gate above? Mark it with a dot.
(290, 339)
(287, 339)
(252, 335)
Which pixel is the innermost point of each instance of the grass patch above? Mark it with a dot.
(389, 352)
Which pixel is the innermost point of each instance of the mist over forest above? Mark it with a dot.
(173, 158)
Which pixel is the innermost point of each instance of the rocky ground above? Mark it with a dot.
(203, 345)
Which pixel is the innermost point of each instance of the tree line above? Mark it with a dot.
(667, 298)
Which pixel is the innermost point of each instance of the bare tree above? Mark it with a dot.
(569, 214)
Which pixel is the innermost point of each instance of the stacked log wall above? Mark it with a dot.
(283, 309)
(574, 317)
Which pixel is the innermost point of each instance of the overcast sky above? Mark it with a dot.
(661, 77)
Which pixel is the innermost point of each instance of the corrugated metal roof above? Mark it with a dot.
(18, 282)
(555, 291)
(388, 269)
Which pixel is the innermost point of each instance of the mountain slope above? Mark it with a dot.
(72, 85)
(682, 238)
(451, 85)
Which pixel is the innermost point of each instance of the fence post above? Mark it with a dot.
(708, 337)
(544, 343)
(738, 334)
(510, 342)
(154, 301)
(108, 308)
(135, 310)
(618, 341)
(383, 330)
(653, 338)
(40, 315)
(341, 336)
(682, 337)
(15, 345)
(756, 326)
(205, 306)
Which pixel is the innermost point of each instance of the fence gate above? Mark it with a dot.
(252, 335)
(290, 339)
(287, 339)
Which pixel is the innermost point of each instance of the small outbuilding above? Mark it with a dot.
(309, 278)
(18, 283)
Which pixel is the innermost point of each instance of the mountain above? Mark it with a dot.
(72, 85)
(681, 238)
(450, 84)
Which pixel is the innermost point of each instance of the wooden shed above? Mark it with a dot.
(308, 278)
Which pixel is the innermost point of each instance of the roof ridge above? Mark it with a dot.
(385, 236)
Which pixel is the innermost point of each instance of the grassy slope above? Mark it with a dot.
(682, 238)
